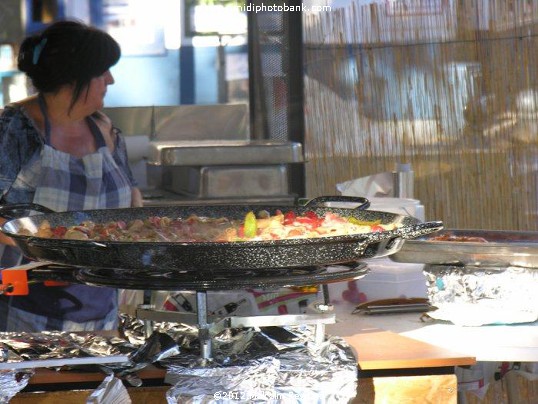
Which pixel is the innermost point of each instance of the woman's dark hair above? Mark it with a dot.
(67, 52)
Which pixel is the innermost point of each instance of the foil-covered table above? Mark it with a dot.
(268, 364)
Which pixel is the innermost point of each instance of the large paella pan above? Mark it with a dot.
(208, 255)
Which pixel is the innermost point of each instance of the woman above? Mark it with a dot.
(58, 150)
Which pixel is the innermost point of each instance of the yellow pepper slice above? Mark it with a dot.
(250, 226)
(359, 222)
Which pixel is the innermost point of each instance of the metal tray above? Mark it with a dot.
(236, 181)
(502, 249)
(224, 152)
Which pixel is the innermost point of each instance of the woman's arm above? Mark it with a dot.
(136, 198)
(119, 152)
(19, 141)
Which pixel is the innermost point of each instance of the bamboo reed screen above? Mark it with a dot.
(446, 85)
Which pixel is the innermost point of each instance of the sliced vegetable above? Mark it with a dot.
(359, 222)
(250, 226)
(311, 219)
(289, 218)
(59, 231)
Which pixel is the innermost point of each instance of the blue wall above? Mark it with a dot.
(157, 80)
(145, 81)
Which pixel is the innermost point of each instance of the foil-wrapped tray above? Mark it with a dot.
(482, 295)
(499, 248)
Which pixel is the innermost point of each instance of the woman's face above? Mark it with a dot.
(97, 89)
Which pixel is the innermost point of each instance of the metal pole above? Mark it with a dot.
(203, 326)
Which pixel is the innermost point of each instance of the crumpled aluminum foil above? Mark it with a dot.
(12, 382)
(110, 391)
(303, 372)
(20, 347)
(58, 344)
(478, 295)
(271, 364)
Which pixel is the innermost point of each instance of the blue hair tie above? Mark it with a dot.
(37, 50)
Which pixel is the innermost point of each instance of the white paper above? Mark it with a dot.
(375, 185)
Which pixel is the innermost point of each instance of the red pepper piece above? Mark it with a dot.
(289, 218)
(311, 219)
(59, 231)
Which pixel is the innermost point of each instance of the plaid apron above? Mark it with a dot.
(66, 183)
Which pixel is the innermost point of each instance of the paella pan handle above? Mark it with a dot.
(385, 243)
(321, 201)
(406, 232)
(10, 211)
(419, 230)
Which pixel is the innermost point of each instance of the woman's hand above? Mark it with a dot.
(136, 198)
(3, 238)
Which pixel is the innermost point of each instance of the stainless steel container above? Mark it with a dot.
(224, 152)
(227, 181)
(225, 168)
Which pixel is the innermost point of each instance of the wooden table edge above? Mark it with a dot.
(388, 350)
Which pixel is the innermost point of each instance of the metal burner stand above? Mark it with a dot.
(208, 326)
(203, 281)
